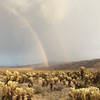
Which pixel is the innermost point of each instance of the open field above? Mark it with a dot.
(17, 69)
(26, 84)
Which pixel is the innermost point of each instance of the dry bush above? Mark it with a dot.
(91, 93)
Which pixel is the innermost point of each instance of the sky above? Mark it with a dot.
(34, 31)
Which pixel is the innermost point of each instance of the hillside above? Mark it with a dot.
(94, 63)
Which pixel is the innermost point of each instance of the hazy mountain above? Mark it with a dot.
(94, 63)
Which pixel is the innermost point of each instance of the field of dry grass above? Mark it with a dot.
(28, 84)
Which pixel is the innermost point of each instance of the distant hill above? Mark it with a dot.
(94, 63)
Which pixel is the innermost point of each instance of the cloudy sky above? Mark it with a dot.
(66, 30)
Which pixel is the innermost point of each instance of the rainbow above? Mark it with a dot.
(26, 21)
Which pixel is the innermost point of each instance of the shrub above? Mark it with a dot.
(91, 93)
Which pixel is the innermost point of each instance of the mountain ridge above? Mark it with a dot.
(94, 63)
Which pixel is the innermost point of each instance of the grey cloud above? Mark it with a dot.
(68, 29)
(18, 45)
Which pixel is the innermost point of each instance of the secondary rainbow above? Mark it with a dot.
(26, 21)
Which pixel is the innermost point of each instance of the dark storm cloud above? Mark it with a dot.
(68, 29)
(18, 45)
